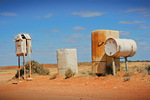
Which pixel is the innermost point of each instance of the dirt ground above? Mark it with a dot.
(79, 87)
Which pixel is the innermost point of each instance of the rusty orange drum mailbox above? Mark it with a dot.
(100, 61)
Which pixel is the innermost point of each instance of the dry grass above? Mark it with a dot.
(69, 73)
(8, 71)
(54, 76)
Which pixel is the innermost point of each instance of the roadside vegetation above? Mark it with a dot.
(35, 68)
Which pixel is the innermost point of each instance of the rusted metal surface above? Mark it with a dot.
(98, 54)
(99, 59)
(120, 47)
(99, 67)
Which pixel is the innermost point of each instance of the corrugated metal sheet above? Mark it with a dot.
(22, 36)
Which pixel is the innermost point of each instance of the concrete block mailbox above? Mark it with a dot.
(67, 59)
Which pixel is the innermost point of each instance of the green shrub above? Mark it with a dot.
(126, 79)
(127, 75)
(148, 69)
(69, 73)
(21, 73)
(35, 68)
(53, 76)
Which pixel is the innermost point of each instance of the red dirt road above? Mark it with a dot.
(79, 88)
(5, 77)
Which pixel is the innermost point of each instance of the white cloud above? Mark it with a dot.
(131, 22)
(37, 17)
(51, 44)
(62, 35)
(51, 30)
(138, 40)
(141, 10)
(78, 28)
(144, 45)
(8, 42)
(143, 27)
(48, 15)
(70, 41)
(75, 38)
(88, 13)
(139, 27)
(48, 36)
(55, 30)
(2, 22)
(147, 34)
(8, 14)
(124, 33)
(76, 35)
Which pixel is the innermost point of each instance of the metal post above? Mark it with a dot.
(113, 66)
(19, 66)
(24, 66)
(126, 63)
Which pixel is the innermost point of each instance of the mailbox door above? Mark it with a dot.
(29, 49)
(20, 47)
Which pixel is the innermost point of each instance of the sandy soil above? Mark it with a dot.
(6, 77)
(78, 88)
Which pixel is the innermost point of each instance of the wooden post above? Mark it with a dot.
(19, 66)
(24, 66)
(126, 63)
(113, 66)
(30, 61)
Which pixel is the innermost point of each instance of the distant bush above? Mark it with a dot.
(69, 73)
(35, 68)
(21, 73)
(127, 76)
(126, 79)
(148, 69)
(54, 76)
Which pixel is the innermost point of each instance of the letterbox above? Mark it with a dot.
(23, 44)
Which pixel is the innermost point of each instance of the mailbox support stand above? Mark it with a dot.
(126, 63)
(24, 66)
(30, 61)
(113, 66)
(19, 66)
(23, 46)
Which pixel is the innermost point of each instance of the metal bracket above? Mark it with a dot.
(101, 43)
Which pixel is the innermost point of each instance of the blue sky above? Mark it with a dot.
(59, 24)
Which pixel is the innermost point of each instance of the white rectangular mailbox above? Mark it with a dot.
(22, 43)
